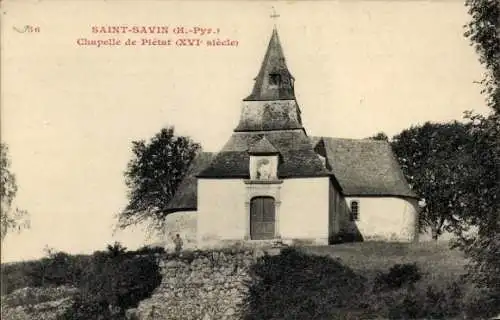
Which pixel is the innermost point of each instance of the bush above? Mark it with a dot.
(294, 285)
(14, 276)
(57, 269)
(427, 302)
(89, 309)
(113, 282)
(150, 250)
(398, 275)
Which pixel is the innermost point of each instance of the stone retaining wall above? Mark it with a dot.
(37, 303)
(200, 285)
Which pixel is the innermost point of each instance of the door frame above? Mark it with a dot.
(256, 188)
(259, 206)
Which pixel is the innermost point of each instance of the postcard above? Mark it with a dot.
(214, 124)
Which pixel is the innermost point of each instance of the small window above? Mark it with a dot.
(354, 210)
(274, 79)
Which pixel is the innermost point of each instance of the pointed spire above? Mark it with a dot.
(274, 81)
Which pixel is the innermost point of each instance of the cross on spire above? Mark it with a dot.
(274, 15)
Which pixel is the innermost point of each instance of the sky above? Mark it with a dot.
(70, 112)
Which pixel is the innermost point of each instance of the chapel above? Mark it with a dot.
(272, 181)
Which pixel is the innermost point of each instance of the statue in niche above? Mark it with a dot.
(264, 169)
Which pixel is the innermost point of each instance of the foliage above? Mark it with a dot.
(116, 249)
(482, 187)
(295, 285)
(483, 246)
(113, 282)
(83, 309)
(11, 218)
(108, 282)
(397, 276)
(434, 158)
(151, 250)
(56, 269)
(153, 175)
(380, 136)
(484, 33)
(116, 284)
(427, 302)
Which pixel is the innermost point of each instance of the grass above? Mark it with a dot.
(435, 259)
(361, 281)
(333, 282)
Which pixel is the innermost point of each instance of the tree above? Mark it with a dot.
(484, 33)
(11, 218)
(482, 247)
(433, 158)
(112, 282)
(380, 136)
(116, 249)
(153, 175)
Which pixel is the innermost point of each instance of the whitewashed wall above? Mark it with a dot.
(302, 209)
(183, 223)
(387, 218)
(305, 209)
(221, 210)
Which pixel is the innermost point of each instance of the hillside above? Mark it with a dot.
(347, 281)
(433, 258)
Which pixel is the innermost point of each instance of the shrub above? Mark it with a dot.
(57, 269)
(427, 302)
(294, 285)
(113, 282)
(89, 309)
(14, 276)
(60, 269)
(398, 275)
(150, 250)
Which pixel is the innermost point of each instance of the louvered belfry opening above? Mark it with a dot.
(262, 218)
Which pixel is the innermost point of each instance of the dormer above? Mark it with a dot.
(264, 159)
(320, 149)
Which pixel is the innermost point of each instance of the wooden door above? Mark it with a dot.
(262, 218)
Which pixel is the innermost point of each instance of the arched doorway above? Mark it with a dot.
(262, 218)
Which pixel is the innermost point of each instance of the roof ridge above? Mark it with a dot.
(351, 139)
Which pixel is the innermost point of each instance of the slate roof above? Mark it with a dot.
(185, 197)
(263, 147)
(362, 167)
(273, 63)
(365, 167)
(297, 157)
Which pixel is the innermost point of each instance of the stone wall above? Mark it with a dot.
(37, 303)
(200, 285)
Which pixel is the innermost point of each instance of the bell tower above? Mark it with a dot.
(272, 104)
